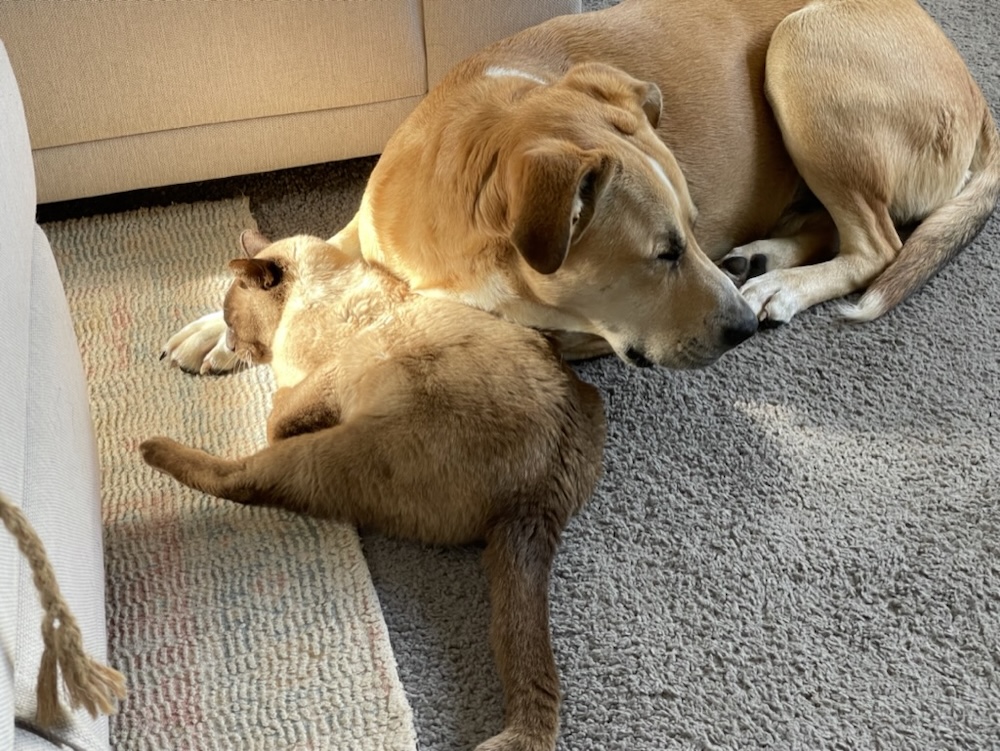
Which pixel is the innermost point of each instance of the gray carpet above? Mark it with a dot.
(798, 548)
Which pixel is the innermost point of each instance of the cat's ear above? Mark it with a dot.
(262, 273)
(252, 242)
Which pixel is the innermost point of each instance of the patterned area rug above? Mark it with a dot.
(235, 627)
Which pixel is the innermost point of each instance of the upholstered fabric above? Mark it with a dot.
(16, 222)
(27, 740)
(48, 460)
(121, 96)
(144, 67)
(61, 494)
(204, 152)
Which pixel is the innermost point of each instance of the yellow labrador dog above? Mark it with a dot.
(587, 175)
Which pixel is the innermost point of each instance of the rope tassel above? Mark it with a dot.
(89, 684)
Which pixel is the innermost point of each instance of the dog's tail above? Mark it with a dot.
(939, 237)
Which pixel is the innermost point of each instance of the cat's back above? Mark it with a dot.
(488, 362)
(499, 392)
(392, 347)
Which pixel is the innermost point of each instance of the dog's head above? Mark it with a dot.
(558, 206)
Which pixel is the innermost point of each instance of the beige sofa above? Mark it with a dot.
(48, 455)
(127, 95)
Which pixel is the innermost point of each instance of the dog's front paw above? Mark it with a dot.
(772, 298)
(200, 347)
(742, 264)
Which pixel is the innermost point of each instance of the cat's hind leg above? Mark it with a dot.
(333, 473)
(197, 469)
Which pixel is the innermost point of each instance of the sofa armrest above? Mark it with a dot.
(48, 456)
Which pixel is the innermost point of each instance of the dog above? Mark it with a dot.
(419, 418)
(614, 176)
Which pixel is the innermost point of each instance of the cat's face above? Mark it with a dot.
(254, 305)
(268, 277)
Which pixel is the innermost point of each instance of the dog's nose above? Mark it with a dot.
(638, 358)
(740, 331)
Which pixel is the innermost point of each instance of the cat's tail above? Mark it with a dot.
(518, 561)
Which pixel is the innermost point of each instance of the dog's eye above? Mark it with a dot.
(670, 247)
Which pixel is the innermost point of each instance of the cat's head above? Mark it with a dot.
(256, 299)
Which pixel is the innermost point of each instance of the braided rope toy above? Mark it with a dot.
(89, 684)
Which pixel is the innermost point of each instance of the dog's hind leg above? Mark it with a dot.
(518, 559)
(886, 127)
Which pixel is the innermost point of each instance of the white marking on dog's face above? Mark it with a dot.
(661, 173)
(495, 71)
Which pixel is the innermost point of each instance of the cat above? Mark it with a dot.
(419, 418)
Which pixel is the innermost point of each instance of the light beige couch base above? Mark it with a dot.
(127, 95)
(218, 150)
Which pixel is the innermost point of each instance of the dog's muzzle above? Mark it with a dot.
(740, 331)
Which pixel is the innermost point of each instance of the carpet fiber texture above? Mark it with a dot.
(798, 548)
(235, 627)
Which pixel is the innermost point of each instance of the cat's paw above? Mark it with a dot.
(200, 347)
(162, 453)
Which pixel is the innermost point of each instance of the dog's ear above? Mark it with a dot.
(555, 192)
(616, 87)
(652, 101)
(257, 272)
(252, 242)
